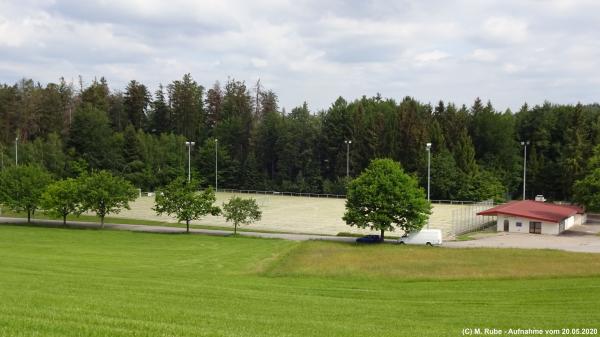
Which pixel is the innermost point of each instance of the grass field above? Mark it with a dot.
(64, 282)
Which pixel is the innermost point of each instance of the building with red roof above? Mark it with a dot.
(528, 216)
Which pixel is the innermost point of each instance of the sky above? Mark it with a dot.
(509, 52)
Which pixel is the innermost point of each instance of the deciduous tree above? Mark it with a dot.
(62, 198)
(587, 191)
(241, 211)
(384, 198)
(103, 194)
(21, 187)
(182, 199)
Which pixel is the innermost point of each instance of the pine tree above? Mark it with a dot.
(160, 114)
(136, 102)
(186, 99)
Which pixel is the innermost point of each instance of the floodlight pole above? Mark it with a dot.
(524, 144)
(348, 142)
(17, 151)
(189, 145)
(216, 165)
(428, 148)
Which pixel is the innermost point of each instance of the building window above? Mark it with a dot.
(535, 227)
(518, 224)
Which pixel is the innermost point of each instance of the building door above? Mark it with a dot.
(505, 225)
(561, 227)
(535, 227)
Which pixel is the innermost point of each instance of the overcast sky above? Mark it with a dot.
(510, 51)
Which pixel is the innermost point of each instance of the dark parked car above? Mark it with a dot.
(369, 239)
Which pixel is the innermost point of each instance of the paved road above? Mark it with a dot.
(174, 230)
(582, 238)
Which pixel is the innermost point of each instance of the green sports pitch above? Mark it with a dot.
(65, 282)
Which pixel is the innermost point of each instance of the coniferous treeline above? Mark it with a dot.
(140, 135)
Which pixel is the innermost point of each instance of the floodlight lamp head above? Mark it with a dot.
(428, 146)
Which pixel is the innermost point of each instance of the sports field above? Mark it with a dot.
(289, 214)
(65, 282)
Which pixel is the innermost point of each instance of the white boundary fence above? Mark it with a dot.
(293, 194)
(466, 219)
(336, 196)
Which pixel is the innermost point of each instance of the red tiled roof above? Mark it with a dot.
(575, 207)
(534, 210)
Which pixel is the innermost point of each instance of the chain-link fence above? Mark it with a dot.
(325, 195)
(466, 219)
(292, 194)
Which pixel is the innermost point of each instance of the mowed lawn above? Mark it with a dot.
(65, 282)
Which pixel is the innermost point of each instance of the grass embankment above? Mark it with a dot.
(326, 259)
(39, 215)
(127, 221)
(489, 229)
(358, 235)
(61, 282)
(465, 237)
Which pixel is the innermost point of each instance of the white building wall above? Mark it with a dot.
(547, 227)
(580, 219)
(570, 221)
(550, 228)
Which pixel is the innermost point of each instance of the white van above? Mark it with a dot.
(428, 237)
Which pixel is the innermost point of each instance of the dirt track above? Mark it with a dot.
(289, 214)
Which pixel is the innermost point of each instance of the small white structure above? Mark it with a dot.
(536, 217)
(423, 237)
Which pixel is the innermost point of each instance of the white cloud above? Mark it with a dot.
(506, 29)
(483, 55)
(258, 62)
(430, 57)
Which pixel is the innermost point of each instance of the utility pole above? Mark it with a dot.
(524, 144)
(428, 175)
(257, 98)
(216, 165)
(17, 151)
(189, 145)
(348, 142)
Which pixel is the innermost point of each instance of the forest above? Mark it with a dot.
(140, 135)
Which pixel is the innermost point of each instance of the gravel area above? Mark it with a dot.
(582, 238)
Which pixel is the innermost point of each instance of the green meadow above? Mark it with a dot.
(69, 282)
